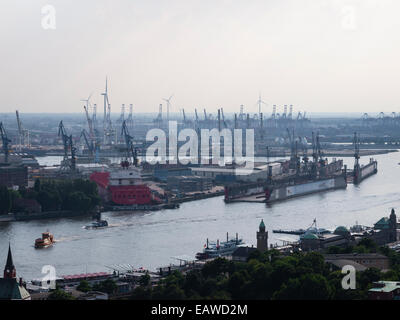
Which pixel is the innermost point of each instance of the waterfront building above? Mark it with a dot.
(385, 230)
(241, 254)
(10, 287)
(366, 260)
(262, 237)
(384, 290)
(312, 241)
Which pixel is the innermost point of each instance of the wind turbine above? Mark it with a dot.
(168, 105)
(260, 102)
(87, 101)
(106, 106)
(106, 101)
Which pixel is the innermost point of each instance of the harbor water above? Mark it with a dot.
(151, 239)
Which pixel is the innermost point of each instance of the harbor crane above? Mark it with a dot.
(130, 116)
(196, 118)
(186, 121)
(223, 118)
(94, 117)
(319, 150)
(23, 134)
(158, 120)
(205, 115)
(131, 151)
(356, 142)
(90, 144)
(122, 115)
(67, 164)
(5, 141)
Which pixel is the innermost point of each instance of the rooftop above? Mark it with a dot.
(243, 251)
(11, 290)
(355, 256)
(340, 263)
(385, 286)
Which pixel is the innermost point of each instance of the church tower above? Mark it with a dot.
(262, 238)
(9, 270)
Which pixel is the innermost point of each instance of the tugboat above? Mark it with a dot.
(214, 250)
(45, 241)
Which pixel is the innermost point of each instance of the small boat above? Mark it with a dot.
(97, 224)
(45, 241)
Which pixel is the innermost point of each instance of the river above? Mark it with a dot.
(151, 239)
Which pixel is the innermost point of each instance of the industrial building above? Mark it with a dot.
(13, 176)
(186, 184)
(365, 260)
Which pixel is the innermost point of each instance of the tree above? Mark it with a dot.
(236, 284)
(217, 266)
(49, 200)
(368, 276)
(5, 200)
(78, 201)
(141, 293)
(108, 286)
(144, 280)
(37, 186)
(307, 287)
(84, 286)
(60, 294)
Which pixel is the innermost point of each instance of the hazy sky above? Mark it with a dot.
(319, 55)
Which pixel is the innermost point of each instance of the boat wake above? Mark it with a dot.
(66, 239)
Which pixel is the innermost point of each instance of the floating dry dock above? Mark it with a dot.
(271, 193)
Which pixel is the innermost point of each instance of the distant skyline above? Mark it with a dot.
(319, 56)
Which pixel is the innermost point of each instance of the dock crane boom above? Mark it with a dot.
(20, 131)
(131, 150)
(5, 141)
(89, 145)
(68, 145)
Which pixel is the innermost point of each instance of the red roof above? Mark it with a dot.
(101, 178)
(86, 275)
